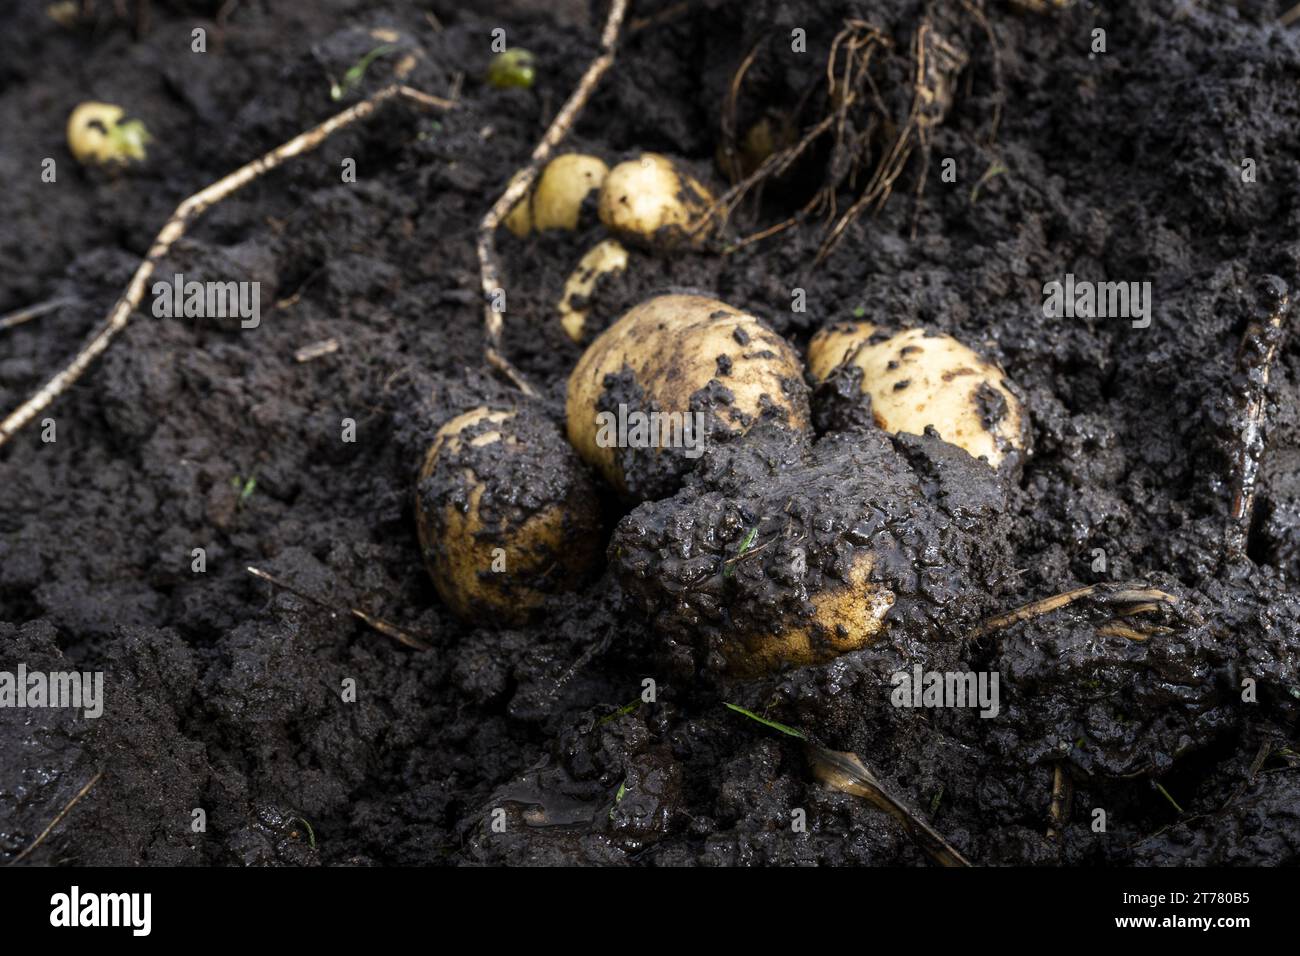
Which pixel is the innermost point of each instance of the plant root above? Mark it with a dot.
(869, 148)
(376, 624)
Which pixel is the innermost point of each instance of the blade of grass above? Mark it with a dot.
(789, 731)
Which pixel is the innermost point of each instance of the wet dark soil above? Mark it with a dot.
(307, 738)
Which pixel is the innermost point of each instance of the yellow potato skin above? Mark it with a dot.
(520, 219)
(555, 201)
(917, 379)
(846, 617)
(458, 544)
(562, 187)
(672, 345)
(606, 256)
(650, 201)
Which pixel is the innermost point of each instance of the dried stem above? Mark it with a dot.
(377, 624)
(19, 316)
(1126, 598)
(521, 182)
(844, 771)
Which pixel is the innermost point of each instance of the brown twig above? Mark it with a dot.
(316, 350)
(377, 624)
(665, 15)
(1032, 609)
(186, 213)
(55, 822)
(1126, 596)
(1259, 347)
(522, 181)
(19, 316)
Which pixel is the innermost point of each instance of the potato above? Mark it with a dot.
(694, 364)
(844, 617)
(506, 514)
(785, 552)
(556, 198)
(606, 256)
(512, 68)
(915, 378)
(648, 200)
(96, 134)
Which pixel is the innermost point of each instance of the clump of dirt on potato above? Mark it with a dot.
(914, 380)
(674, 377)
(781, 553)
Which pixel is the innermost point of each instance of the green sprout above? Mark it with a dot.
(622, 711)
(244, 487)
(934, 803)
(1172, 801)
(618, 798)
(129, 139)
(357, 71)
(745, 544)
(311, 834)
(512, 68)
(997, 169)
(789, 731)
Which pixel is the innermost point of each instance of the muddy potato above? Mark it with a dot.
(778, 554)
(506, 515)
(697, 363)
(556, 199)
(650, 201)
(915, 379)
(605, 257)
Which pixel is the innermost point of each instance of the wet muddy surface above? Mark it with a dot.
(307, 738)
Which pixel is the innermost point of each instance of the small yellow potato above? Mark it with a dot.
(520, 219)
(916, 379)
(506, 515)
(605, 257)
(648, 200)
(96, 134)
(556, 198)
(691, 360)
